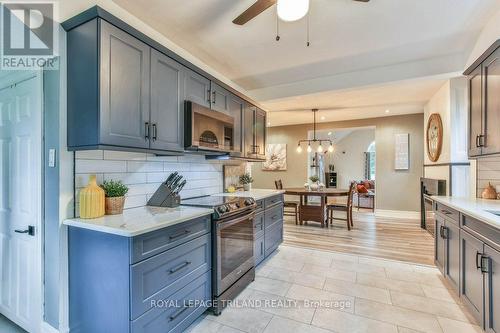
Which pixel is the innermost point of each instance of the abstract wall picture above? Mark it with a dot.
(275, 157)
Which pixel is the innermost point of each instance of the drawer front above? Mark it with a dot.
(152, 243)
(273, 238)
(273, 215)
(448, 212)
(177, 312)
(162, 275)
(481, 230)
(258, 225)
(274, 200)
(259, 250)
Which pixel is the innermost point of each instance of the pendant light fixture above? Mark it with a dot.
(320, 142)
(292, 10)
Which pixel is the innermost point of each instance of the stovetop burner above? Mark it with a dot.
(222, 206)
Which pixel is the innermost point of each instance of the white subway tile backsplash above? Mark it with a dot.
(143, 173)
(488, 171)
(99, 166)
(89, 154)
(123, 155)
(135, 166)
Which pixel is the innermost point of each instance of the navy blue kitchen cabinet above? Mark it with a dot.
(155, 282)
(268, 227)
(255, 122)
(127, 91)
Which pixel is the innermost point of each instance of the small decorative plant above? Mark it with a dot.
(314, 179)
(246, 180)
(115, 196)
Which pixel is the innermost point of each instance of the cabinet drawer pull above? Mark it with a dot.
(208, 98)
(478, 260)
(213, 97)
(446, 212)
(173, 317)
(146, 130)
(178, 268)
(274, 217)
(180, 234)
(155, 132)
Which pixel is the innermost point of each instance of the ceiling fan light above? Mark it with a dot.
(292, 10)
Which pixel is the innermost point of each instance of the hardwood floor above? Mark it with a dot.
(390, 238)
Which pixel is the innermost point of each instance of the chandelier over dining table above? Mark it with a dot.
(314, 140)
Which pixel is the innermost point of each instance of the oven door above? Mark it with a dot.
(234, 248)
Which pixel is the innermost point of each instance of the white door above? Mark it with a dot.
(20, 201)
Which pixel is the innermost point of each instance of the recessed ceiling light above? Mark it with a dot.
(387, 111)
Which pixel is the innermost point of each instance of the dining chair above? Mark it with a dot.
(340, 207)
(288, 204)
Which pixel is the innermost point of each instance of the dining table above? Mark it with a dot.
(311, 211)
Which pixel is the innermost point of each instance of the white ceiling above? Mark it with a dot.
(353, 45)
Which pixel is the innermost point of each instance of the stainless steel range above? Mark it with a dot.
(232, 251)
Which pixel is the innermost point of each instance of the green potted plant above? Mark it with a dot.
(115, 196)
(246, 180)
(314, 179)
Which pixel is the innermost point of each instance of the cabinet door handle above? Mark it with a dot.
(446, 212)
(481, 140)
(155, 132)
(178, 268)
(477, 141)
(478, 260)
(484, 267)
(214, 96)
(30, 231)
(146, 130)
(208, 96)
(445, 232)
(180, 234)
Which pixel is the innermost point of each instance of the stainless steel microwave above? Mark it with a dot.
(207, 130)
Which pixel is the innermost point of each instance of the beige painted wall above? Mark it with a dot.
(396, 190)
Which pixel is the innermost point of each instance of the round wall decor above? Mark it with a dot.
(434, 137)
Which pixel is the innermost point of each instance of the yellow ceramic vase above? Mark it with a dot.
(91, 200)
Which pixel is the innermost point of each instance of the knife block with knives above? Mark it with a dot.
(167, 195)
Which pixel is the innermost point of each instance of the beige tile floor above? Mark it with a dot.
(358, 294)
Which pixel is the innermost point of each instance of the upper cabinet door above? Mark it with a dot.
(475, 112)
(260, 133)
(124, 88)
(248, 130)
(491, 77)
(492, 290)
(167, 93)
(236, 107)
(220, 98)
(196, 88)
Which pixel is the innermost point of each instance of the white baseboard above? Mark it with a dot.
(46, 328)
(401, 214)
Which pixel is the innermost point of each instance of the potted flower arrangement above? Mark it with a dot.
(314, 179)
(246, 180)
(115, 196)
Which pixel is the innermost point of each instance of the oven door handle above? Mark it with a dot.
(231, 220)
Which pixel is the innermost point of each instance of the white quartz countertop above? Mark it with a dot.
(257, 194)
(474, 207)
(137, 221)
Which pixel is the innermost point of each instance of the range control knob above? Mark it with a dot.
(221, 209)
(249, 202)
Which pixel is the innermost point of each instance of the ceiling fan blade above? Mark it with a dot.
(258, 7)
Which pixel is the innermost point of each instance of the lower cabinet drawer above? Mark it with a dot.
(160, 276)
(259, 250)
(258, 225)
(152, 243)
(274, 200)
(273, 238)
(177, 312)
(273, 215)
